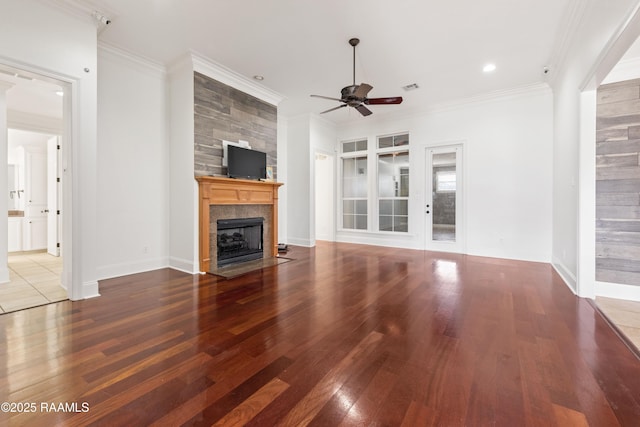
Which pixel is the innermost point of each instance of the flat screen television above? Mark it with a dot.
(245, 163)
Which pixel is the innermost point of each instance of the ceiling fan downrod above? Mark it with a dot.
(354, 42)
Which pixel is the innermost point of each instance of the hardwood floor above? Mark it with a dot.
(343, 335)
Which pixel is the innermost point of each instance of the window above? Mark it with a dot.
(354, 185)
(390, 212)
(393, 183)
(446, 181)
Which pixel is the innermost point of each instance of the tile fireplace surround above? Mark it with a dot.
(226, 198)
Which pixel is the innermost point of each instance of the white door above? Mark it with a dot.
(325, 212)
(53, 212)
(444, 209)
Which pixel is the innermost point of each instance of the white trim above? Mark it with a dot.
(565, 274)
(616, 290)
(300, 242)
(460, 245)
(34, 123)
(571, 20)
(183, 265)
(126, 268)
(115, 52)
(586, 224)
(408, 241)
(90, 289)
(225, 75)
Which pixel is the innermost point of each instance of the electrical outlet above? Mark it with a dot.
(145, 249)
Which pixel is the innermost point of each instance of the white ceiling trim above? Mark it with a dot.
(109, 49)
(231, 78)
(34, 123)
(573, 16)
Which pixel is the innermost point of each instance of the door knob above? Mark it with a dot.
(45, 211)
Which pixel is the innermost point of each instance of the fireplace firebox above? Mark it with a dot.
(239, 240)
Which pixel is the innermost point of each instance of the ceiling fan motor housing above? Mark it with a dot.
(349, 97)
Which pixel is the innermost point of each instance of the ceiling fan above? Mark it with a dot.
(356, 95)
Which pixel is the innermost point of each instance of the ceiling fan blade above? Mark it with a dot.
(388, 100)
(362, 90)
(363, 110)
(334, 108)
(326, 97)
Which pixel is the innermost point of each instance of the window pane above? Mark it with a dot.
(400, 140)
(386, 207)
(349, 167)
(348, 147)
(385, 142)
(446, 180)
(361, 207)
(361, 166)
(361, 145)
(401, 207)
(386, 179)
(400, 223)
(347, 221)
(361, 222)
(348, 206)
(386, 223)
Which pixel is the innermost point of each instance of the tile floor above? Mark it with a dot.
(624, 314)
(35, 280)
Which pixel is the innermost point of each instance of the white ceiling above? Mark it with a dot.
(301, 46)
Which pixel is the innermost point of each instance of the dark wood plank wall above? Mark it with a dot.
(618, 183)
(224, 113)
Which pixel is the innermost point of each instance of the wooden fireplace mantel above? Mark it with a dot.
(216, 190)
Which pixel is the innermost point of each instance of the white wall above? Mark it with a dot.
(183, 220)
(133, 168)
(598, 25)
(40, 38)
(283, 138)
(508, 170)
(297, 184)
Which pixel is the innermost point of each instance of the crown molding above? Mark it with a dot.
(34, 122)
(225, 75)
(142, 61)
(573, 15)
(82, 9)
(534, 89)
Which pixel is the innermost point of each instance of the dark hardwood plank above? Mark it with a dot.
(343, 335)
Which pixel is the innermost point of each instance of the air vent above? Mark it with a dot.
(412, 86)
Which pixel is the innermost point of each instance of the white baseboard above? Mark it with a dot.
(126, 268)
(90, 289)
(183, 265)
(300, 242)
(618, 291)
(566, 275)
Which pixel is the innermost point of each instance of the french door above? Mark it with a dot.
(444, 201)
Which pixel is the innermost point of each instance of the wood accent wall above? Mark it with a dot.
(219, 191)
(224, 113)
(618, 183)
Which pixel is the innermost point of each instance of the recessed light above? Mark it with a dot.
(258, 77)
(59, 93)
(489, 68)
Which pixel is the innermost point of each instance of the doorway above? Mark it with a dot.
(324, 197)
(38, 113)
(444, 201)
